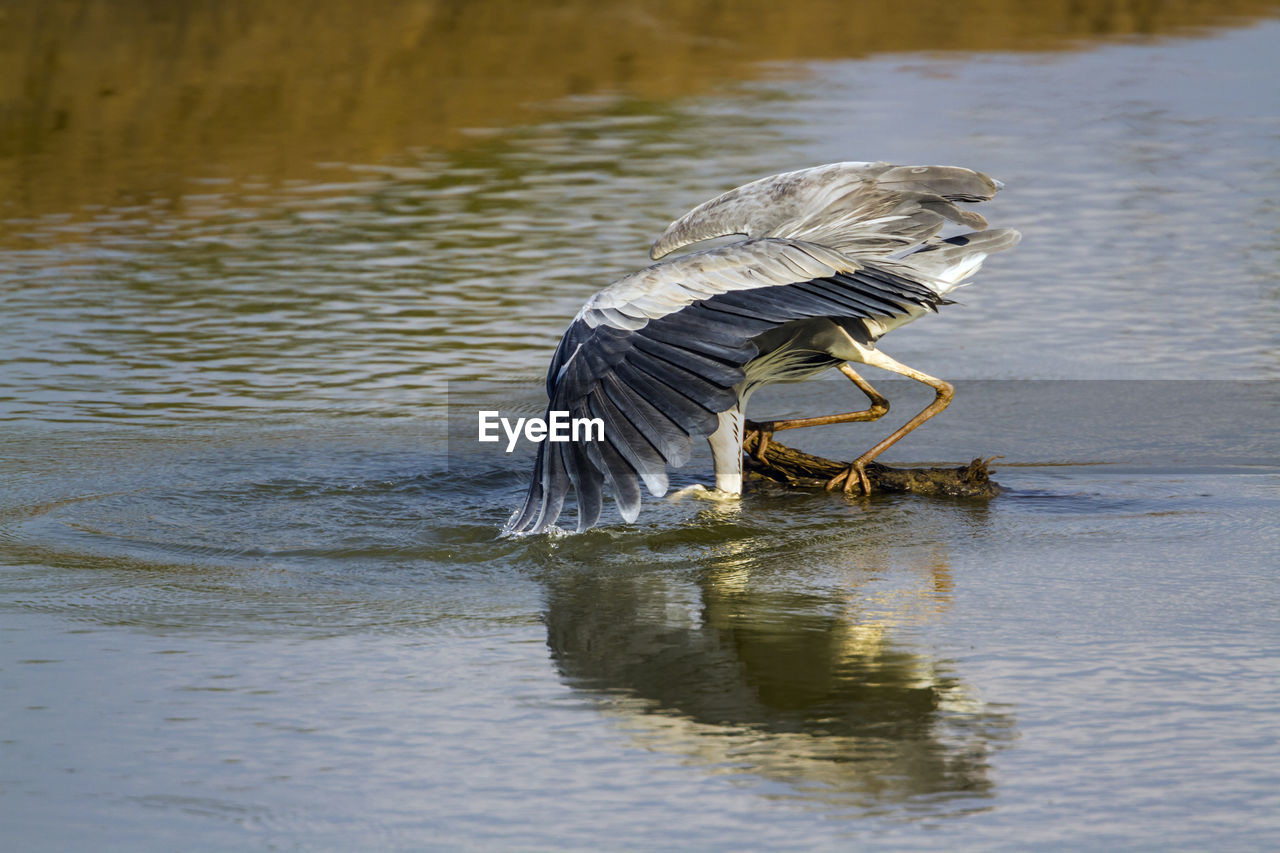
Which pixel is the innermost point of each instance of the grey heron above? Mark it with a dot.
(831, 259)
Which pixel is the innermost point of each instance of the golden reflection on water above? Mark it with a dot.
(814, 686)
(105, 102)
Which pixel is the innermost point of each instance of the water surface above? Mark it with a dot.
(249, 586)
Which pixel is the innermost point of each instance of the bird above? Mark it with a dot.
(827, 260)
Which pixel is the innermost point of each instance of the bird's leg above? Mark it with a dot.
(879, 406)
(702, 493)
(726, 450)
(943, 394)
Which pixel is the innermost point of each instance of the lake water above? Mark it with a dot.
(250, 591)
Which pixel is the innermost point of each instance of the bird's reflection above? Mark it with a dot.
(754, 671)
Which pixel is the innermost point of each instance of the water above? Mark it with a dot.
(250, 595)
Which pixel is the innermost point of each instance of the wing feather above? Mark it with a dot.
(585, 478)
(871, 209)
(662, 432)
(620, 475)
(631, 444)
(688, 414)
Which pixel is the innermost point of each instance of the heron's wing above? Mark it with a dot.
(860, 209)
(657, 356)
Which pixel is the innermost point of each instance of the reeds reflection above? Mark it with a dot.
(113, 103)
(755, 671)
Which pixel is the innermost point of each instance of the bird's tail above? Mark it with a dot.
(947, 264)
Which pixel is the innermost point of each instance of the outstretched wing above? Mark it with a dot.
(656, 357)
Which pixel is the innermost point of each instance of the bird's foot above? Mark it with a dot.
(856, 473)
(763, 434)
(702, 493)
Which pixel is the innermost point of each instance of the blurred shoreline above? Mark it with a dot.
(113, 104)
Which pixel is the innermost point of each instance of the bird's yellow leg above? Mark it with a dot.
(879, 406)
(943, 392)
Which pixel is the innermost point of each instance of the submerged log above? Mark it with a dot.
(801, 470)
